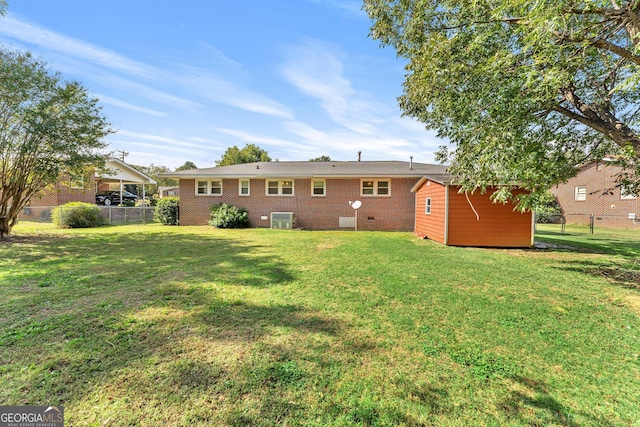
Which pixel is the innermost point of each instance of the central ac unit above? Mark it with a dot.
(283, 220)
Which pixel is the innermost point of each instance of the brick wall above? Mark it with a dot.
(392, 213)
(609, 209)
(62, 193)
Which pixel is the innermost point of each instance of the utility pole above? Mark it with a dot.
(123, 154)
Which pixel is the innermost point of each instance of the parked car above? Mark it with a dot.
(113, 197)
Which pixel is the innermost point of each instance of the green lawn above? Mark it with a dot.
(151, 325)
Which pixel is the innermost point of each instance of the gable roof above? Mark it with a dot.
(306, 169)
(116, 170)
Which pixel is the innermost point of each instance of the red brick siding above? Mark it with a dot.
(393, 213)
(431, 226)
(596, 177)
(62, 193)
(497, 225)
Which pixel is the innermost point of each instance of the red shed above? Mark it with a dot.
(462, 219)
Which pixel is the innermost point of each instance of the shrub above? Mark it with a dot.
(228, 216)
(77, 215)
(128, 203)
(167, 211)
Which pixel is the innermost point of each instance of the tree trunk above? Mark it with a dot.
(5, 227)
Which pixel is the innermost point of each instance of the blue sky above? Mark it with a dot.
(186, 80)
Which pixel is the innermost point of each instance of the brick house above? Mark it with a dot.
(320, 195)
(593, 191)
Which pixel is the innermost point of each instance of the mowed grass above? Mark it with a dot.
(152, 325)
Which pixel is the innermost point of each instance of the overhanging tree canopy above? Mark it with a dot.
(525, 91)
(47, 126)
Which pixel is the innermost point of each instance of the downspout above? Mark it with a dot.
(446, 214)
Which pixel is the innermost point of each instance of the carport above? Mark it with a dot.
(117, 171)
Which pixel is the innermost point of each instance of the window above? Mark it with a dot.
(580, 193)
(244, 187)
(280, 188)
(202, 187)
(374, 187)
(213, 188)
(625, 194)
(216, 188)
(318, 187)
(76, 182)
(427, 206)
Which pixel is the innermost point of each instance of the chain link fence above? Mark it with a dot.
(115, 215)
(589, 221)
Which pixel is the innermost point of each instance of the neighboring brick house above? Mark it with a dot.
(317, 193)
(83, 189)
(445, 215)
(593, 191)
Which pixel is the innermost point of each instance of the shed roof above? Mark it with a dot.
(306, 169)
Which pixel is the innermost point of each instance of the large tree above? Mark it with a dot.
(525, 91)
(248, 154)
(188, 165)
(48, 126)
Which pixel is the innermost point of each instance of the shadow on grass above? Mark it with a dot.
(572, 242)
(92, 301)
(534, 395)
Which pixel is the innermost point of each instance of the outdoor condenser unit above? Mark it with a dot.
(284, 220)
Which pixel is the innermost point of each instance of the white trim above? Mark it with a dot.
(208, 189)
(427, 204)
(240, 180)
(446, 214)
(626, 196)
(280, 187)
(324, 187)
(376, 187)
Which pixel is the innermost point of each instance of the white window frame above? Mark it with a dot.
(324, 188)
(240, 187)
(578, 194)
(427, 206)
(624, 196)
(280, 187)
(208, 188)
(376, 187)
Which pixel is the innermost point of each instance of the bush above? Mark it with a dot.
(128, 203)
(77, 215)
(228, 216)
(167, 211)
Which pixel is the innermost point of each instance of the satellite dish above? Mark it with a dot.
(356, 204)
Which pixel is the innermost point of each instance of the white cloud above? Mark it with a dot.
(30, 33)
(162, 140)
(225, 92)
(118, 103)
(315, 69)
(352, 8)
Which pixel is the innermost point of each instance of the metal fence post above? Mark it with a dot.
(591, 222)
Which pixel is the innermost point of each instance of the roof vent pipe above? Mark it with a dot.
(410, 162)
(359, 155)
